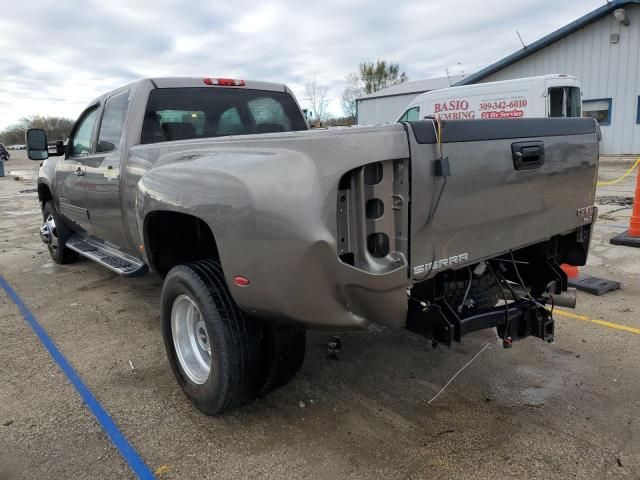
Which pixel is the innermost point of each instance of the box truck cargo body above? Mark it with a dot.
(554, 95)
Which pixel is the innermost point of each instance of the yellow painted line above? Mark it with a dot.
(604, 323)
(564, 313)
(617, 326)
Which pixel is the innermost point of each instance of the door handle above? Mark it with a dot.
(79, 172)
(527, 155)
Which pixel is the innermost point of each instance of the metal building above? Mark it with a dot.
(602, 49)
(386, 105)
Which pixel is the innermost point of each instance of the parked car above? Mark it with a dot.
(555, 95)
(262, 229)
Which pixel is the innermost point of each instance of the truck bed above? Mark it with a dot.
(333, 226)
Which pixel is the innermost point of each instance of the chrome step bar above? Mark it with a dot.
(107, 256)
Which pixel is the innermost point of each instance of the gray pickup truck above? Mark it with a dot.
(262, 228)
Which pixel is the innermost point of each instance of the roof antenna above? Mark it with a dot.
(523, 45)
(448, 76)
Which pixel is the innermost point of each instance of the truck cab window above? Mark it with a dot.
(268, 115)
(112, 122)
(230, 123)
(198, 112)
(81, 141)
(411, 115)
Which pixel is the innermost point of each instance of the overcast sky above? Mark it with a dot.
(57, 56)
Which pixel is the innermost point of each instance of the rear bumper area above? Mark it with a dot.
(513, 322)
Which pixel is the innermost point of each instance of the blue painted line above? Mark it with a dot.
(108, 425)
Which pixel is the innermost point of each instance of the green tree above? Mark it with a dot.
(379, 75)
(370, 78)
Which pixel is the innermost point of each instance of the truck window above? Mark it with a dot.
(196, 112)
(268, 115)
(230, 123)
(411, 115)
(81, 141)
(195, 118)
(112, 122)
(564, 102)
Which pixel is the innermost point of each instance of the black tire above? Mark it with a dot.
(284, 349)
(60, 253)
(484, 292)
(235, 339)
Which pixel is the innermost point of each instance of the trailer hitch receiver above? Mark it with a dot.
(515, 321)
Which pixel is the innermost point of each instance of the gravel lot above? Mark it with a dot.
(539, 411)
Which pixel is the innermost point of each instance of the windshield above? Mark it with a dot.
(183, 113)
(564, 102)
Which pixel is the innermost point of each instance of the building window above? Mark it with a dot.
(600, 109)
(638, 112)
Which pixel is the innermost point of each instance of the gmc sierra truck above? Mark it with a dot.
(262, 228)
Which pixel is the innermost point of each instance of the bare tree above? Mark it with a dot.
(352, 91)
(57, 128)
(317, 98)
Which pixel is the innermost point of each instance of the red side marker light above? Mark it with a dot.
(241, 281)
(224, 82)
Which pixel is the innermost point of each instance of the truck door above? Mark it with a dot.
(103, 173)
(70, 173)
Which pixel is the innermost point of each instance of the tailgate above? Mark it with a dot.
(513, 182)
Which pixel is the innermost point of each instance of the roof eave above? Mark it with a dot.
(568, 29)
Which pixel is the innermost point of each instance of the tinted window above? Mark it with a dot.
(574, 102)
(183, 113)
(269, 115)
(82, 138)
(564, 102)
(411, 115)
(195, 118)
(230, 123)
(112, 122)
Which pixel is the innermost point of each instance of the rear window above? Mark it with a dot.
(564, 102)
(184, 113)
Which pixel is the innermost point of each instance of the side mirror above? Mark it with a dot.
(37, 147)
(105, 146)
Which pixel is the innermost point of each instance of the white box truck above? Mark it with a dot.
(556, 95)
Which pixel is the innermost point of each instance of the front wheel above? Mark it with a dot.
(214, 350)
(54, 234)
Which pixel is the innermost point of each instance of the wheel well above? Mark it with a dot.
(173, 238)
(44, 194)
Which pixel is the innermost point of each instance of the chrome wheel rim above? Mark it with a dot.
(191, 339)
(48, 233)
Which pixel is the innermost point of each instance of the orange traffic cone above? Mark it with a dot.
(631, 237)
(571, 270)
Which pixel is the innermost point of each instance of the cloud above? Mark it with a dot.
(58, 56)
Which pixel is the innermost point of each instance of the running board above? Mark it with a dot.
(107, 256)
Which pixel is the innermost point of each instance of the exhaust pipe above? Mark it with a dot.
(565, 299)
